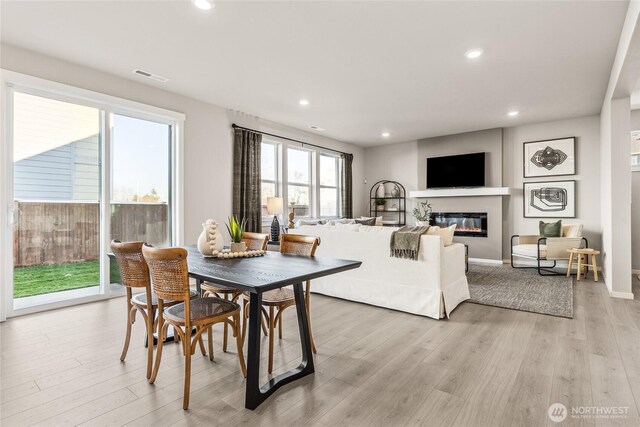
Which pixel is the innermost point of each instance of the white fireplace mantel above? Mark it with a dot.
(461, 192)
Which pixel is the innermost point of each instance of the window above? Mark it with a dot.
(329, 194)
(268, 173)
(82, 168)
(299, 181)
(308, 180)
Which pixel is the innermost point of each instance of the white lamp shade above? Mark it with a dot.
(274, 205)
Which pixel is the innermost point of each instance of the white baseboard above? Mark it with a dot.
(485, 261)
(625, 295)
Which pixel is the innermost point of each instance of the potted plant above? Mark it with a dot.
(236, 232)
(379, 202)
(422, 213)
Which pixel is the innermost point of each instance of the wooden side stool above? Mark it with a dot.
(582, 256)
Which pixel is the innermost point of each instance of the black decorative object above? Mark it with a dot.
(553, 157)
(275, 229)
(553, 199)
(548, 158)
(394, 210)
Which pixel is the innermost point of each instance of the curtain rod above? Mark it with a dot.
(235, 126)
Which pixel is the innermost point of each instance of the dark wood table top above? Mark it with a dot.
(260, 274)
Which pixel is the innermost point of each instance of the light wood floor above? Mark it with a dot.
(485, 366)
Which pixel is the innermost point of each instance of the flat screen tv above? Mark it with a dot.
(463, 170)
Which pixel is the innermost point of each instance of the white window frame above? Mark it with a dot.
(266, 219)
(337, 187)
(282, 185)
(11, 81)
(312, 184)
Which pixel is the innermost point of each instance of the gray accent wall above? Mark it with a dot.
(407, 164)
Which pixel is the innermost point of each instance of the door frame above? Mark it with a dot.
(11, 81)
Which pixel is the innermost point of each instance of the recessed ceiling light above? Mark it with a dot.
(513, 113)
(317, 128)
(386, 134)
(303, 102)
(473, 53)
(203, 4)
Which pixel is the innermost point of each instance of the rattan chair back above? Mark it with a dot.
(256, 241)
(169, 272)
(298, 244)
(134, 271)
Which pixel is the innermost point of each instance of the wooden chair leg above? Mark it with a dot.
(279, 323)
(162, 328)
(201, 342)
(271, 327)
(245, 317)
(150, 330)
(187, 374)
(594, 265)
(308, 307)
(210, 341)
(127, 337)
(225, 332)
(236, 328)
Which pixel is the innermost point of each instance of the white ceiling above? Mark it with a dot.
(365, 67)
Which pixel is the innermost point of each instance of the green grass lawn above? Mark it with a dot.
(44, 279)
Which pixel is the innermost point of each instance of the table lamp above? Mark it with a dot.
(274, 207)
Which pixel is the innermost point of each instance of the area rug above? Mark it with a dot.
(525, 290)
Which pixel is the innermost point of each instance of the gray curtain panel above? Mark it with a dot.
(347, 186)
(246, 178)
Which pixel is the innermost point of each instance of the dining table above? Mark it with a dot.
(257, 275)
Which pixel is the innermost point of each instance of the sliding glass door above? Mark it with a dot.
(56, 200)
(82, 174)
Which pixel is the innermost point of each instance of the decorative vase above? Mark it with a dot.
(422, 223)
(238, 247)
(210, 239)
(380, 190)
(396, 191)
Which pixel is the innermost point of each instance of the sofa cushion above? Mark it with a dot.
(446, 233)
(366, 221)
(348, 227)
(530, 250)
(377, 218)
(551, 229)
(571, 230)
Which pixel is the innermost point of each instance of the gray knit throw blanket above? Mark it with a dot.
(405, 242)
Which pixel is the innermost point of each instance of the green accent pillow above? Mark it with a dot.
(551, 229)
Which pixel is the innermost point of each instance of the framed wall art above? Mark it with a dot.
(550, 199)
(553, 157)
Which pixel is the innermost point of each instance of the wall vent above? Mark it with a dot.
(150, 76)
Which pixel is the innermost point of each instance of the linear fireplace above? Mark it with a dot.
(469, 224)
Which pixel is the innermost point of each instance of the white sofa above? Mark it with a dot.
(431, 286)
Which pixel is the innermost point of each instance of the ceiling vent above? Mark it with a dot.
(151, 76)
(319, 129)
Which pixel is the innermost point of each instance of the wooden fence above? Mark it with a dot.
(63, 232)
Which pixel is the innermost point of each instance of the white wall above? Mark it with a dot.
(587, 133)
(635, 203)
(208, 149)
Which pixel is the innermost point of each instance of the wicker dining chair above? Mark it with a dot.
(280, 299)
(134, 273)
(255, 241)
(170, 276)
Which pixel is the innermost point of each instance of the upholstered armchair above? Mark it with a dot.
(547, 251)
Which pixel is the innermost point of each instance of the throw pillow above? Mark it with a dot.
(366, 221)
(377, 218)
(445, 233)
(348, 227)
(551, 229)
